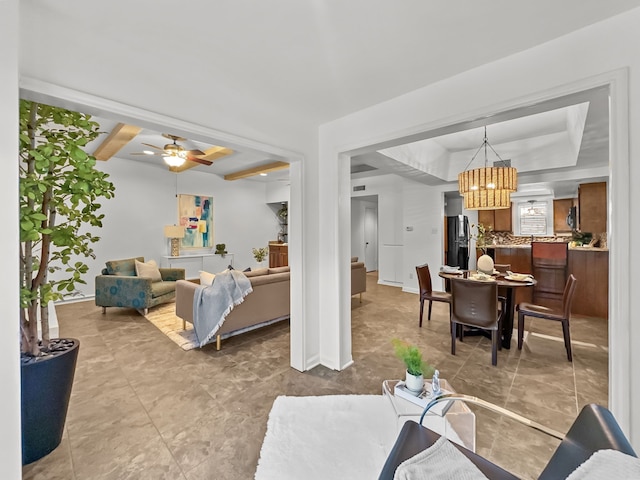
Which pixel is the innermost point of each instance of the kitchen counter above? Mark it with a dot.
(583, 249)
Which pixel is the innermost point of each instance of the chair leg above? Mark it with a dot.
(520, 329)
(494, 347)
(429, 315)
(360, 297)
(454, 331)
(567, 339)
(461, 332)
(104, 310)
(421, 310)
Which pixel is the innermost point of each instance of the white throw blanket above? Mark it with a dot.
(212, 304)
(607, 464)
(440, 461)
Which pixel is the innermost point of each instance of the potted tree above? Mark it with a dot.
(59, 189)
(416, 367)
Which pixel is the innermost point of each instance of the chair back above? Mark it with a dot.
(502, 267)
(424, 279)
(567, 297)
(474, 303)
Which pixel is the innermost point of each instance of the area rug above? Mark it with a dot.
(165, 319)
(327, 437)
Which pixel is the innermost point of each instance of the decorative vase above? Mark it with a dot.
(485, 264)
(46, 388)
(415, 383)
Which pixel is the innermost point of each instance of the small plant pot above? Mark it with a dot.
(415, 383)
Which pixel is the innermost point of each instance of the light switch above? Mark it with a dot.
(409, 229)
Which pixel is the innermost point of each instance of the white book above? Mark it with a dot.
(423, 398)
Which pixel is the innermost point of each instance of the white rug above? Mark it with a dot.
(165, 319)
(329, 437)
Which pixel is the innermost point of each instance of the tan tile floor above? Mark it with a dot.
(142, 408)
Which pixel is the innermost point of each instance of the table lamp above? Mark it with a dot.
(175, 233)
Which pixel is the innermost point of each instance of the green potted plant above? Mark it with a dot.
(416, 367)
(59, 189)
(260, 254)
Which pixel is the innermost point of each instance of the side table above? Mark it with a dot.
(458, 424)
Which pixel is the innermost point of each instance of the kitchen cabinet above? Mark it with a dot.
(561, 209)
(592, 200)
(499, 220)
(278, 255)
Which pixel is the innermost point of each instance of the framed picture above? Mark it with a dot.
(195, 214)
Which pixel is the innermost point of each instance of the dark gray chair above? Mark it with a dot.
(594, 429)
(475, 304)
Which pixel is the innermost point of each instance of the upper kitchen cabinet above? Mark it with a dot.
(500, 220)
(592, 200)
(561, 210)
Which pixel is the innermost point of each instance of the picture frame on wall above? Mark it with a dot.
(195, 214)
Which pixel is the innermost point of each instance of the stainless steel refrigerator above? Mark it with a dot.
(458, 241)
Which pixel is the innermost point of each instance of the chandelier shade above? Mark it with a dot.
(487, 188)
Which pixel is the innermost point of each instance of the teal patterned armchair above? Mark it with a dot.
(118, 286)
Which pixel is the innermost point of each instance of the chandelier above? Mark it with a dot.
(487, 188)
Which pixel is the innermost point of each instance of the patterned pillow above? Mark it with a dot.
(148, 269)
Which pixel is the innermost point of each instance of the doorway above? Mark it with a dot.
(364, 230)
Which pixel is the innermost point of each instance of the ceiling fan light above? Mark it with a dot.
(174, 160)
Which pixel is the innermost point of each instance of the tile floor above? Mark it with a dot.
(142, 408)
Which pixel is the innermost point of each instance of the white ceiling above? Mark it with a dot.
(316, 60)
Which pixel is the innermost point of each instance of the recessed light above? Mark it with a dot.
(263, 174)
(148, 152)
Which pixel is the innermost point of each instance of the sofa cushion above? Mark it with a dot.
(278, 270)
(148, 269)
(125, 267)
(162, 288)
(273, 278)
(206, 278)
(257, 272)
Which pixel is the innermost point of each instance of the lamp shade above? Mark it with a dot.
(488, 188)
(173, 231)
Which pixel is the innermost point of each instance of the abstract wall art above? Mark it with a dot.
(195, 214)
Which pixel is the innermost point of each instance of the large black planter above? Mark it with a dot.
(46, 389)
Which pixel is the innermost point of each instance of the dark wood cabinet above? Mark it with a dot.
(499, 220)
(278, 255)
(561, 209)
(589, 266)
(592, 198)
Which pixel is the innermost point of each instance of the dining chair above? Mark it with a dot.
(427, 293)
(475, 304)
(560, 315)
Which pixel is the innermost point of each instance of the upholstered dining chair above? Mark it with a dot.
(474, 303)
(560, 315)
(427, 293)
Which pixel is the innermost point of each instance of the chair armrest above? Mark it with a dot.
(172, 274)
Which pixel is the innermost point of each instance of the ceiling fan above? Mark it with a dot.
(176, 155)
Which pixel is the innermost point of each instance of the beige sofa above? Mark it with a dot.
(358, 277)
(268, 303)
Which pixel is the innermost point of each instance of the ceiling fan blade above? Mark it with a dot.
(216, 152)
(118, 138)
(153, 146)
(196, 152)
(199, 160)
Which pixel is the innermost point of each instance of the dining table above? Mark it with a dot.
(502, 280)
